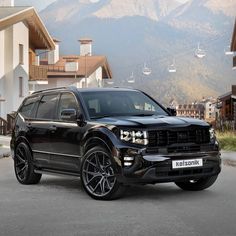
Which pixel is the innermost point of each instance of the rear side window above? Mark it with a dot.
(29, 107)
(47, 107)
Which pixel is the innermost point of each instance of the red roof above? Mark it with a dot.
(87, 65)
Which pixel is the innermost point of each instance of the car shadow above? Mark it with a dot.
(163, 191)
(134, 192)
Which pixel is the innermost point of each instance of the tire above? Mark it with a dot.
(197, 185)
(98, 176)
(24, 169)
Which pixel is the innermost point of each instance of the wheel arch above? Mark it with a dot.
(98, 138)
(23, 139)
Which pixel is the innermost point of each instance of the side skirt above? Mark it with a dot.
(56, 172)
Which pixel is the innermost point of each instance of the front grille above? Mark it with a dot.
(183, 149)
(159, 138)
(190, 172)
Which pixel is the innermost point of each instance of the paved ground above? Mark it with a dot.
(4, 146)
(58, 206)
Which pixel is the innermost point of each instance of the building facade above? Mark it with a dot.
(81, 70)
(228, 108)
(191, 110)
(21, 33)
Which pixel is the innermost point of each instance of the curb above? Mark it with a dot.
(228, 158)
(228, 162)
(5, 152)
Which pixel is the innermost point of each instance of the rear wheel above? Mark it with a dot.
(24, 169)
(197, 185)
(98, 176)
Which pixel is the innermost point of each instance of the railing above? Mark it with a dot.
(10, 122)
(38, 72)
(53, 68)
(3, 126)
(226, 124)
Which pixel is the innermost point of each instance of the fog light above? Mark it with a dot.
(128, 161)
(128, 158)
(128, 164)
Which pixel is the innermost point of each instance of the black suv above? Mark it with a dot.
(111, 138)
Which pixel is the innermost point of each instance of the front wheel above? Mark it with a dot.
(98, 176)
(197, 185)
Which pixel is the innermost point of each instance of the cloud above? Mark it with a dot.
(94, 1)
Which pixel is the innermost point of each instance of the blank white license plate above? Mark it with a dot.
(187, 163)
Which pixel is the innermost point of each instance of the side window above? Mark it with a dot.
(29, 107)
(21, 54)
(47, 107)
(67, 101)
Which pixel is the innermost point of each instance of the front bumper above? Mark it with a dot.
(157, 168)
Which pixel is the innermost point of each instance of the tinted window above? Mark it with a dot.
(120, 103)
(47, 107)
(28, 109)
(67, 101)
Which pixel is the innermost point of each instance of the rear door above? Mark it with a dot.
(41, 128)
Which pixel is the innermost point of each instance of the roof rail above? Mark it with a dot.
(51, 89)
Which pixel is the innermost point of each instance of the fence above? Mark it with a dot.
(10, 122)
(3, 126)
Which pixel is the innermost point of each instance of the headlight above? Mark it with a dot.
(212, 135)
(137, 137)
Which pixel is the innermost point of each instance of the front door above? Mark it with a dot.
(65, 139)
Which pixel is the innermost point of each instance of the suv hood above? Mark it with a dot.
(151, 121)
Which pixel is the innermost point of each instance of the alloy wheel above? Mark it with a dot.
(21, 164)
(98, 174)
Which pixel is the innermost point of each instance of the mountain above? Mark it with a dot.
(152, 9)
(132, 32)
(104, 9)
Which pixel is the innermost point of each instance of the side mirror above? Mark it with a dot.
(172, 111)
(68, 114)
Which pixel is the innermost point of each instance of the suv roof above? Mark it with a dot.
(73, 88)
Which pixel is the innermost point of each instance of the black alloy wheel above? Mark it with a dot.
(98, 176)
(23, 166)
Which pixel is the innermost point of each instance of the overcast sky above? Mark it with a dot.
(38, 4)
(41, 4)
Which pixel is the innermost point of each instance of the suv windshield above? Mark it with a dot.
(120, 103)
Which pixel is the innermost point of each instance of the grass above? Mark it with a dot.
(227, 140)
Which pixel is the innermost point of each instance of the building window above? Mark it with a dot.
(21, 84)
(21, 54)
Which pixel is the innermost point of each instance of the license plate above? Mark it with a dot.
(187, 163)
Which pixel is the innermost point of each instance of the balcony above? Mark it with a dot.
(37, 73)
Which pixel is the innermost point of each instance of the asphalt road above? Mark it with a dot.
(59, 206)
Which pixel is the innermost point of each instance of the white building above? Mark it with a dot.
(21, 33)
(83, 70)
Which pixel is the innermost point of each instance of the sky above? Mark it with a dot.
(41, 4)
(38, 4)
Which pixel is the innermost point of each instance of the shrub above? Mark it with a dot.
(227, 140)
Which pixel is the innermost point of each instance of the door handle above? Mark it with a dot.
(53, 128)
